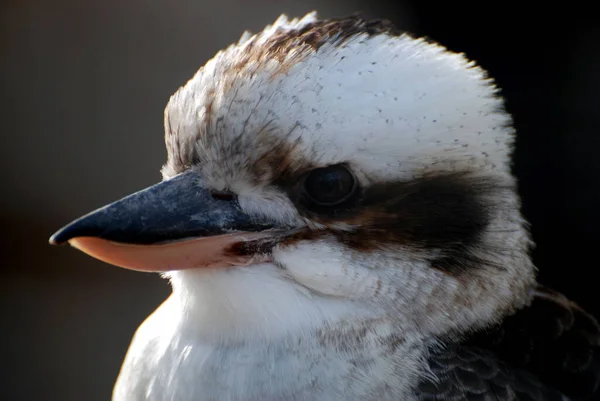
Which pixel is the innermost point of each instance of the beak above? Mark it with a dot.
(176, 224)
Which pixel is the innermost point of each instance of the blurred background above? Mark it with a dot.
(83, 85)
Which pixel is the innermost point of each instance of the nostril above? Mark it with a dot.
(223, 195)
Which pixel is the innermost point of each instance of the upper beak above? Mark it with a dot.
(176, 224)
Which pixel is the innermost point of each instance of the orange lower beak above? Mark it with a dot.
(194, 253)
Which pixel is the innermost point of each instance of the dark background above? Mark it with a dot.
(83, 85)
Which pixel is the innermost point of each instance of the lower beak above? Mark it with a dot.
(176, 224)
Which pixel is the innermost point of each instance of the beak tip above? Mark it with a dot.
(58, 238)
(78, 228)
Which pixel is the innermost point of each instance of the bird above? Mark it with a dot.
(338, 220)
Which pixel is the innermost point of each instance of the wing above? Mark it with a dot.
(463, 373)
(550, 348)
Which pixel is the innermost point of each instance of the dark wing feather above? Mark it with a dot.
(552, 344)
(463, 373)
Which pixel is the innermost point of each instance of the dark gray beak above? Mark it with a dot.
(163, 216)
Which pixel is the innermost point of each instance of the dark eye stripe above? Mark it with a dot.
(445, 212)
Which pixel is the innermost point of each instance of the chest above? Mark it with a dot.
(317, 367)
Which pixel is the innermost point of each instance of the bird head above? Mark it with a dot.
(329, 169)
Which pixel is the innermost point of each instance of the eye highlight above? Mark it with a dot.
(329, 186)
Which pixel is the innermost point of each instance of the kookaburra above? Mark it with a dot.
(339, 221)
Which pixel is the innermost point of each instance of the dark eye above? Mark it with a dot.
(329, 186)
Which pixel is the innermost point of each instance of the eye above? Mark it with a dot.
(329, 186)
